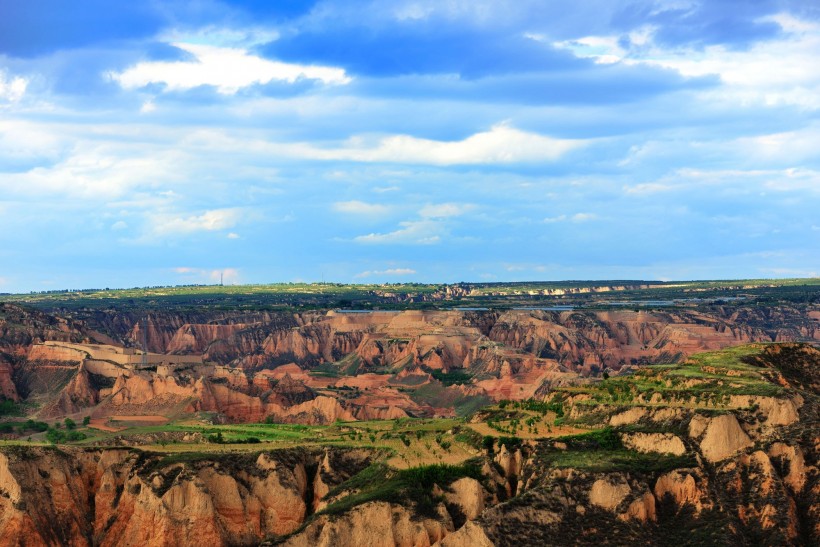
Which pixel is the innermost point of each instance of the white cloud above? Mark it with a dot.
(648, 188)
(501, 144)
(97, 172)
(360, 208)
(390, 271)
(209, 221)
(221, 37)
(559, 218)
(789, 146)
(444, 210)
(227, 69)
(233, 235)
(415, 232)
(119, 225)
(577, 217)
(783, 70)
(26, 140)
(12, 89)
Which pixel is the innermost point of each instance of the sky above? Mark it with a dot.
(183, 141)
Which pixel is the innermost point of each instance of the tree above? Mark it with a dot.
(70, 424)
(86, 420)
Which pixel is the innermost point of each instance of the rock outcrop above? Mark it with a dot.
(119, 497)
(722, 436)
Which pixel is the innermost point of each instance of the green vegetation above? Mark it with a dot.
(54, 436)
(10, 408)
(602, 451)
(705, 381)
(454, 377)
(409, 486)
(602, 439)
(636, 294)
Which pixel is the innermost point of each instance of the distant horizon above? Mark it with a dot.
(570, 282)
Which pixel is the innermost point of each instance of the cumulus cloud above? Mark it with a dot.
(577, 217)
(444, 210)
(92, 170)
(12, 88)
(356, 207)
(225, 68)
(387, 272)
(501, 144)
(414, 232)
(783, 70)
(209, 221)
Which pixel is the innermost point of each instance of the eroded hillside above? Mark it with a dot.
(317, 367)
(718, 449)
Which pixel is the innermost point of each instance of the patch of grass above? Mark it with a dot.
(601, 461)
(409, 486)
(603, 439)
(454, 377)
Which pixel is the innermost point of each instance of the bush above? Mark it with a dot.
(510, 442)
(9, 408)
(216, 438)
(31, 425)
(70, 424)
(86, 420)
(55, 436)
(488, 443)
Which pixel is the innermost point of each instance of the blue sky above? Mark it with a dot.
(152, 143)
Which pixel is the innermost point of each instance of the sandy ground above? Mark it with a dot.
(120, 422)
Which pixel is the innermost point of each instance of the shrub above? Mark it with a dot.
(9, 408)
(488, 443)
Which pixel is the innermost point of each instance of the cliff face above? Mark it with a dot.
(119, 497)
(590, 342)
(513, 355)
(582, 341)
